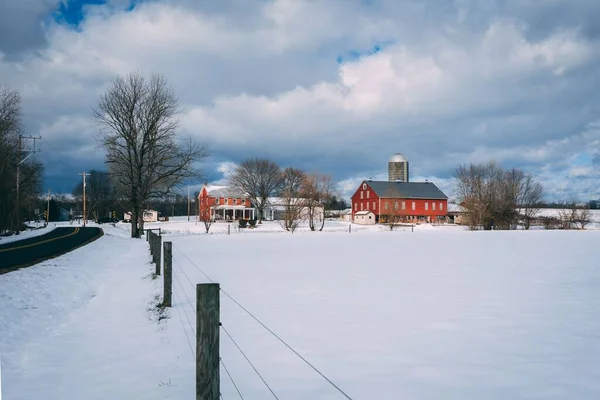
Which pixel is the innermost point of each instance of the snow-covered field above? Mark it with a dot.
(438, 313)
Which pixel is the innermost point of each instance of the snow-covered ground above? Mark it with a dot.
(36, 229)
(438, 313)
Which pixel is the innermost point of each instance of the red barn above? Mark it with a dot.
(224, 203)
(404, 201)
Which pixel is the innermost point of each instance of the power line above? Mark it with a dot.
(250, 362)
(230, 377)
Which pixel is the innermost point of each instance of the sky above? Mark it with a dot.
(335, 86)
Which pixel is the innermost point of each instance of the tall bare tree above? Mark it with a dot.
(317, 191)
(531, 195)
(30, 180)
(258, 178)
(138, 124)
(291, 190)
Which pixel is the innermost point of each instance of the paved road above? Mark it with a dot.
(27, 252)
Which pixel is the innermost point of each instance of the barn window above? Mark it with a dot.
(426, 205)
(414, 205)
(404, 205)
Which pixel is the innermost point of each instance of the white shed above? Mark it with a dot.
(364, 218)
(346, 215)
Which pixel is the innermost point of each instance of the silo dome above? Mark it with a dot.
(398, 157)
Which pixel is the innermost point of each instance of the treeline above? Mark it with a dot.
(496, 198)
(15, 206)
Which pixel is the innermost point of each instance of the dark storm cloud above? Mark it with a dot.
(21, 25)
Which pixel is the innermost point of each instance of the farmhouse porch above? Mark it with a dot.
(228, 212)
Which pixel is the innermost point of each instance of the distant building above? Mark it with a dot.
(406, 201)
(398, 168)
(275, 209)
(223, 203)
(147, 216)
(364, 218)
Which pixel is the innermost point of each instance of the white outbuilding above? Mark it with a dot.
(364, 218)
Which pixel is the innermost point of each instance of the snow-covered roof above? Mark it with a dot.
(455, 208)
(223, 191)
(363, 213)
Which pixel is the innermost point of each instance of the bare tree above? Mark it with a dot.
(137, 119)
(30, 180)
(492, 196)
(550, 222)
(258, 178)
(204, 215)
(572, 215)
(392, 214)
(291, 190)
(531, 195)
(317, 192)
(583, 217)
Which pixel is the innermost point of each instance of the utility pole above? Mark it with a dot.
(84, 174)
(48, 209)
(188, 204)
(19, 162)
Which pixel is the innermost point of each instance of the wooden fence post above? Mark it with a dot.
(168, 268)
(207, 341)
(157, 255)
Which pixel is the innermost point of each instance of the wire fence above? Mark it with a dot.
(185, 310)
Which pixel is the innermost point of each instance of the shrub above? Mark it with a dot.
(243, 223)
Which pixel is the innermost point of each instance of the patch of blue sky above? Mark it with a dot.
(72, 12)
(583, 159)
(353, 55)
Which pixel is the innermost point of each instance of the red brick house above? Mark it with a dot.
(223, 203)
(408, 201)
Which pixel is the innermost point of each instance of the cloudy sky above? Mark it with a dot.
(336, 86)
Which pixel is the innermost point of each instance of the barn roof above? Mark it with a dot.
(407, 190)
